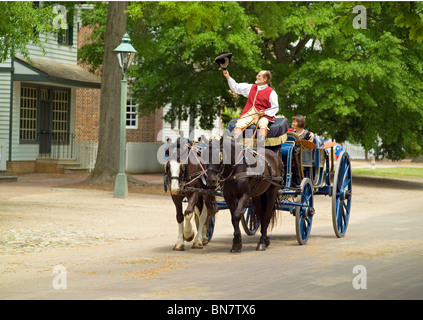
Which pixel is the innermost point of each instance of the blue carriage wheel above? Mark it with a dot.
(341, 195)
(304, 213)
(249, 223)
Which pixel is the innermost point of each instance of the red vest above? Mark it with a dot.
(262, 101)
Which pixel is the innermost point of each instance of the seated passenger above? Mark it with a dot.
(298, 123)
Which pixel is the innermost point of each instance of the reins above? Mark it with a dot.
(199, 174)
(240, 175)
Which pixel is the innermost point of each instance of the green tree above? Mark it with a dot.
(93, 53)
(107, 164)
(178, 42)
(363, 85)
(21, 22)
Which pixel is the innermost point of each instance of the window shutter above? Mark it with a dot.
(59, 37)
(70, 34)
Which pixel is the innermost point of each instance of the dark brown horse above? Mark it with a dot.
(245, 175)
(181, 172)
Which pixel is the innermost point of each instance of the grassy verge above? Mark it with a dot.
(394, 172)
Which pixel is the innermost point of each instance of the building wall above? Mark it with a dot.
(183, 128)
(87, 114)
(55, 51)
(4, 115)
(148, 128)
(30, 151)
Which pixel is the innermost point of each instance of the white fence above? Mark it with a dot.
(355, 151)
(86, 153)
(141, 157)
(2, 157)
(137, 160)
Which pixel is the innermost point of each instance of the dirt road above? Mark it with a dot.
(107, 248)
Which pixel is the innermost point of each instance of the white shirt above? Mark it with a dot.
(245, 88)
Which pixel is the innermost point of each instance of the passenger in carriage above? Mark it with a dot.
(298, 123)
(261, 107)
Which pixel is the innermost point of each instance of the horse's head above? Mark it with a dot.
(214, 157)
(177, 158)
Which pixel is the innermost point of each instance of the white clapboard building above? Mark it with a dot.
(38, 102)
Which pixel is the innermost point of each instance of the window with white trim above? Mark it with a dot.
(31, 118)
(60, 115)
(28, 116)
(131, 114)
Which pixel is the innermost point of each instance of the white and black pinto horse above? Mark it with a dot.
(181, 172)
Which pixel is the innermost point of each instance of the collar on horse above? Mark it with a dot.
(271, 178)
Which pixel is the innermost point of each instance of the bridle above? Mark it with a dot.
(222, 165)
(182, 174)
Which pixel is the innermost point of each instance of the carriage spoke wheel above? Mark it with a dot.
(342, 194)
(249, 222)
(304, 213)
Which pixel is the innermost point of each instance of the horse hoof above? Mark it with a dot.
(261, 247)
(236, 248)
(197, 245)
(189, 238)
(179, 247)
(267, 242)
(205, 241)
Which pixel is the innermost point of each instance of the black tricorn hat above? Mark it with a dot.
(223, 60)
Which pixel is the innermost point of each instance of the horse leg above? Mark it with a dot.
(202, 217)
(236, 217)
(188, 214)
(204, 239)
(269, 197)
(188, 232)
(211, 205)
(192, 201)
(179, 246)
(259, 211)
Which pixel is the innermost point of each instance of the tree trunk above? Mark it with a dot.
(107, 163)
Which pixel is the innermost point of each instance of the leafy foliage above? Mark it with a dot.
(177, 44)
(20, 24)
(362, 85)
(93, 52)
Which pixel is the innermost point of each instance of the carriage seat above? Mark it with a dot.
(318, 141)
(275, 137)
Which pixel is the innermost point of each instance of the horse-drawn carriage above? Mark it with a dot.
(305, 172)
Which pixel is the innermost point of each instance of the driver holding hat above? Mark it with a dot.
(261, 107)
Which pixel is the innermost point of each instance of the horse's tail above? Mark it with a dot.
(275, 214)
(278, 201)
(274, 219)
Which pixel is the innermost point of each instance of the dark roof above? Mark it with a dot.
(60, 73)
